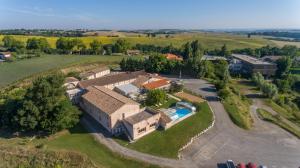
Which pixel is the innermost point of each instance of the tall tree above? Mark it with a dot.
(96, 47)
(283, 66)
(45, 107)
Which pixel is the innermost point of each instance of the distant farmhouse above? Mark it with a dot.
(248, 65)
(110, 100)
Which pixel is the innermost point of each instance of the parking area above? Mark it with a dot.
(268, 145)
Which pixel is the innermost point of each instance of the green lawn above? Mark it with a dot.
(167, 143)
(169, 103)
(10, 72)
(265, 115)
(238, 111)
(79, 140)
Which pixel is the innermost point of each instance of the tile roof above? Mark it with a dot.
(71, 79)
(111, 79)
(156, 84)
(249, 59)
(139, 117)
(170, 56)
(106, 100)
(94, 71)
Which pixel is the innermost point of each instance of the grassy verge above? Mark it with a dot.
(285, 112)
(265, 115)
(78, 140)
(73, 148)
(238, 110)
(167, 143)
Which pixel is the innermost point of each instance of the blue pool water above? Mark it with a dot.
(180, 112)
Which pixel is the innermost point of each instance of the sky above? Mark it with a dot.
(150, 14)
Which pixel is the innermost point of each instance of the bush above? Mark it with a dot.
(224, 93)
(155, 97)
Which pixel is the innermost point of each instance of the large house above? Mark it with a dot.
(248, 65)
(117, 113)
(110, 101)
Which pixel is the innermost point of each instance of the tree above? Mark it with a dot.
(65, 45)
(224, 51)
(187, 51)
(221, 70)
(96, 47)
(121, 46)
(12, 44)
(197, 50)
(155, 63)
(155, 97)
(40, 44)
(45, 107)
(131, 64)
(283, 66)
(289, 50)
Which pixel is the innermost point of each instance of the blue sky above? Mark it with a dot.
(149, 14)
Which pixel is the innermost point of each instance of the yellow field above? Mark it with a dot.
(208, 40)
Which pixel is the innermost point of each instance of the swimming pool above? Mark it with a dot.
(179, 113)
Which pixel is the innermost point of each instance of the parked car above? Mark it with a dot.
(241, 165)
(251, 165)
(230, 164)
(262, 166)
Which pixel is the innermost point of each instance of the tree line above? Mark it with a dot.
(64, 45)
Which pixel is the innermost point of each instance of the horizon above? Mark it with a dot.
(137, 15)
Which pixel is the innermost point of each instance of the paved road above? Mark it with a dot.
(266, 144)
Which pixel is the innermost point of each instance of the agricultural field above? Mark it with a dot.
(17, 70)
(282, 43)
(208, 40)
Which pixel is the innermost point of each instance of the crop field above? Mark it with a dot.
(208, 40)
(10, 72)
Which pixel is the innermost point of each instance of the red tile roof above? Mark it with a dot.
(170, 56)
(156, 84)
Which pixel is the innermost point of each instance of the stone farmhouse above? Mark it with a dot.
(107, 101)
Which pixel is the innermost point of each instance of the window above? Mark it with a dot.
(142, 130)
(153, 124)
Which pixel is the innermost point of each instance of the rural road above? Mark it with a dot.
(266, 144)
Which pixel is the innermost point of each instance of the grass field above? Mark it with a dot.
(238, 111)
(283, 43)
(10, 72)
(167, 143)
(208, 40)
(265, 115)
(67, 142)
(286, 112)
